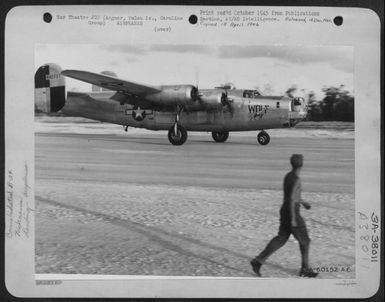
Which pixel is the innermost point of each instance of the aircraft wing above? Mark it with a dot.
(111, 83)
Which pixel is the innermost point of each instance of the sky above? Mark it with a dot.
(271, 69)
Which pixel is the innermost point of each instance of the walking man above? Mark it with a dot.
(291, 221)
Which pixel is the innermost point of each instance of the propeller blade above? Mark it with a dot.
(196, 77)
(224, 99)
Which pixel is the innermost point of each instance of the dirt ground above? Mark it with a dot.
(136, 205)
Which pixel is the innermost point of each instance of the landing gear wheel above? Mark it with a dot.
(178, 138)
(220, 137)
(263, 138)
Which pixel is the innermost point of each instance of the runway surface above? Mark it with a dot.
(136, 205)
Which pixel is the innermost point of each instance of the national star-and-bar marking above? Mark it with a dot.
(138, 114)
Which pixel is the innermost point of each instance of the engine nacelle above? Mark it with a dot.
(212, 99)
(50, 92)
(171, 95)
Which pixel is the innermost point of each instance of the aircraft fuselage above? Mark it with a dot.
(245, 114)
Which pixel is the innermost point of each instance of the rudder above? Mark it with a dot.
(50, 94)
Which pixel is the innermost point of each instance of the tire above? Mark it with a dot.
(263, 138)
(220, 137)
(178, 139)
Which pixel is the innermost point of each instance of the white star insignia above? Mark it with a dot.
(139, 113)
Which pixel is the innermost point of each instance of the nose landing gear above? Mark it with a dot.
(263, 138)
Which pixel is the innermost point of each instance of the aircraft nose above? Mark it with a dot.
(298, 110)
(299, 105)
(304, 108)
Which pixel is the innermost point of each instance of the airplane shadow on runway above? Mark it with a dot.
(229, 142)
(154, 234)
(159, 140)
(135, 140)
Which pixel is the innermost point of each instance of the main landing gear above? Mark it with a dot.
(177, 135)
(263, 138)
(220, 137)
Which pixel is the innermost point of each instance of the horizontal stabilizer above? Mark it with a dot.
(111, 83)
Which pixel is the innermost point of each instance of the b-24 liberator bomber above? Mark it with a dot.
(176, 108)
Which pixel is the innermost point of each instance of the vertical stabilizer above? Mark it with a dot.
(50, 94)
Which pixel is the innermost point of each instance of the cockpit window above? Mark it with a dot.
(297, 101)
(251, 93)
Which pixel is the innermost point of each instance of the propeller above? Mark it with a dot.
(196, 76)
(225, 100)
(195, 95)
(226, 87)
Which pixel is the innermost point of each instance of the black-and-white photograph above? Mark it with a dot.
(250, 175)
